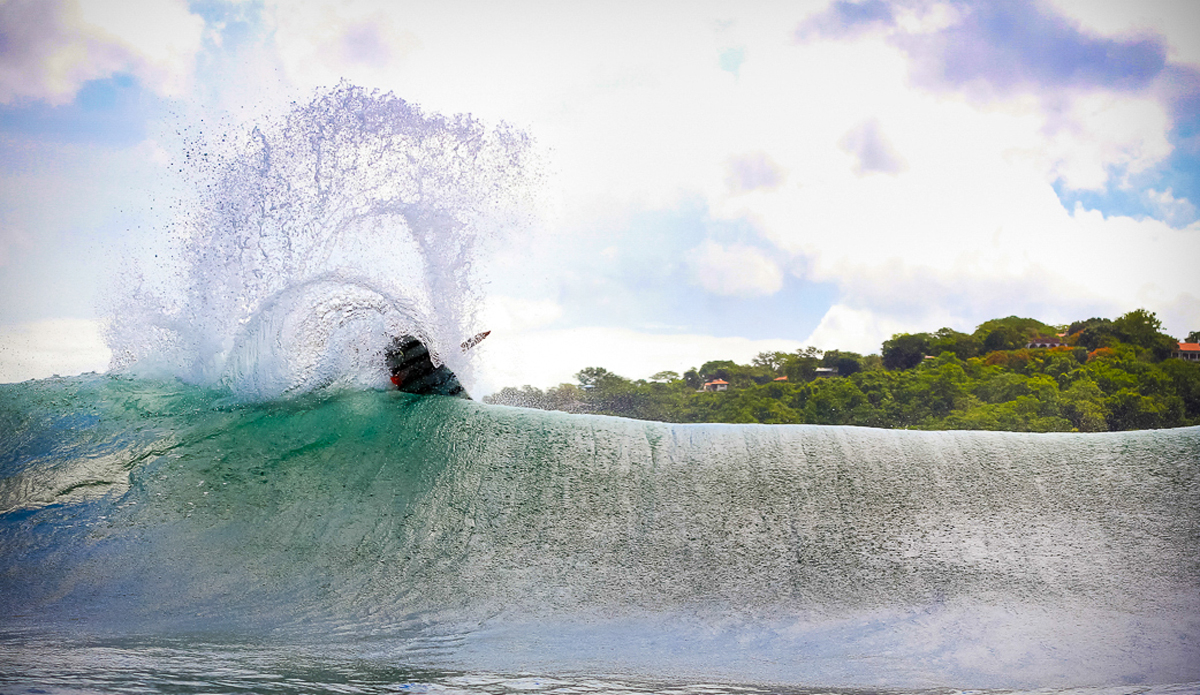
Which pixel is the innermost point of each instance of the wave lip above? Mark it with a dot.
(322, 228)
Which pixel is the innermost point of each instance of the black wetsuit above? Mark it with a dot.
(412, 370)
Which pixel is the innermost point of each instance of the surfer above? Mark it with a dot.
(412, 368)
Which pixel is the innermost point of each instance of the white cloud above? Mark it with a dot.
(358, 40)
(510, 314)
(751, 171)
(872, 152)
(56, 346)
(53, 47)
(738, 271)
(12, 238)
(632, 122)
(856, 330)
(1176, 212)
(1098, 132)
(1174, 19)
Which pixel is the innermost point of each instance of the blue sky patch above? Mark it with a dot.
(640, 276)
(112, 111)
(731, 60)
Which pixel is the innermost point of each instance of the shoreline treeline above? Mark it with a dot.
(1097, 375)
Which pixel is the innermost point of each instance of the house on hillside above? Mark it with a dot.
(1188, 351)
(826, 371)
(1042, 341)
(716, 385)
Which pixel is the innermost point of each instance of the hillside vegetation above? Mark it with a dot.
(1109, 375)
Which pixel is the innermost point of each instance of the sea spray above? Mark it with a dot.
(314, 236)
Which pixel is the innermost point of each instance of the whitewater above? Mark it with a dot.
(240, 504)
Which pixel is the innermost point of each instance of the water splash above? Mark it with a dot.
(316, 235)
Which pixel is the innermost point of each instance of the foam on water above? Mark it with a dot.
(314, 236)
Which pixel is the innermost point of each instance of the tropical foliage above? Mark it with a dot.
(1106, 375)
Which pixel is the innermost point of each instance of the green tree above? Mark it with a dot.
(774, 361)
(1011, 332)
(1185, 377)
(596, 377)
(1083, 405)
(963, 345)
(846, 363)
(1143, 329)
(717, 369)
(905, 350)
(833, 402)
(1092, 334)
(802, 366)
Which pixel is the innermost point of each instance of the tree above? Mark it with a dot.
(596, 377)
(802, 366)
(774, 361)
(1193, 337)
(1092, 334)
(846, 363)
(717, 369)
(1114, 385)
(963, 345)
(905, 350)
(1143, 329)
(1015, 331)
(1004, 338)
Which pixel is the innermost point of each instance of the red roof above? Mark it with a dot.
(781, 378)
(1190, 347)
(717, 381)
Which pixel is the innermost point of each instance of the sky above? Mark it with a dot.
(718, 178)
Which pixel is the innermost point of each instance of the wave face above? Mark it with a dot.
(446, 533)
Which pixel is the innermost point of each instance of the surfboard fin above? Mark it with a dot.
(474, 340)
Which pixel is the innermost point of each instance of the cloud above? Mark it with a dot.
(11, 238)
(1010, 45)
(1113, 110)
(844, 19)
(872, 152)
(57, 346)
(751, 171)
(739, 271)
(53, 47)
(1005, 48)
(1177, 212)
(357, 40)
(511, 314)
(546, 358)
(856, 330)
(1175, 20)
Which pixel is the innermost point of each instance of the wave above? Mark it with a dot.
(451, 533)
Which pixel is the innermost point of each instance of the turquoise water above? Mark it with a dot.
(161, 537)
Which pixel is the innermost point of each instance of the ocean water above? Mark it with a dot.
(159, 535)
(240, 505)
